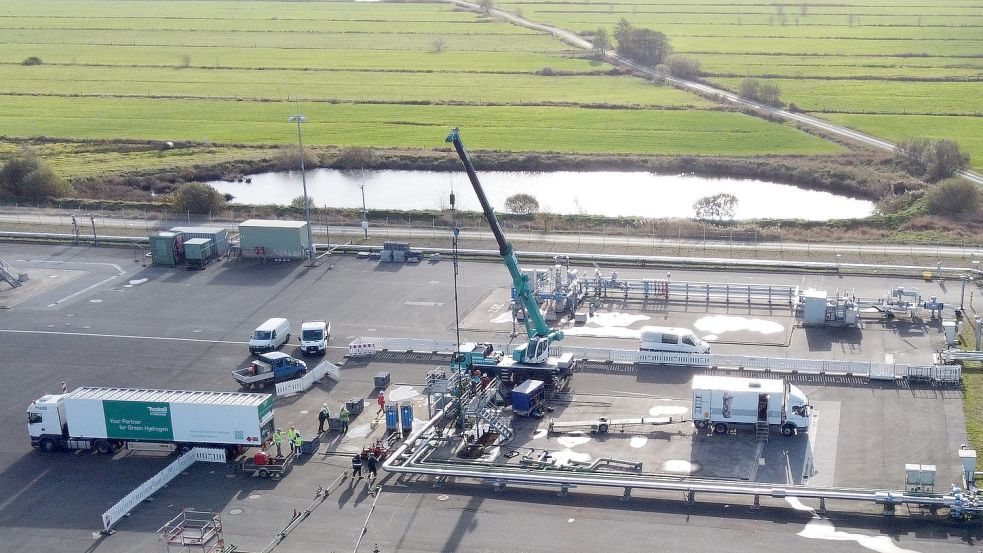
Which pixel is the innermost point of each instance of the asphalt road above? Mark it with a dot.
(171, 328)
(109, 226)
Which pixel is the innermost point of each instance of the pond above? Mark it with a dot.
(607, 193)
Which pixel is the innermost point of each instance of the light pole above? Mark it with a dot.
(303, 178)
(365, 214)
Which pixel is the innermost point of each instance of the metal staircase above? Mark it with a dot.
(9, 275)
(481, 404)
(762, 431)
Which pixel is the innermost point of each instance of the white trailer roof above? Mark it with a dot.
(738, 384)
(268, 223)
(170, 396)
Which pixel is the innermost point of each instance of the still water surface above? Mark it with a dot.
(610, 194)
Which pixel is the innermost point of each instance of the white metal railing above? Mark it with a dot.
(869, 369)
(145, 490)
(298, 385)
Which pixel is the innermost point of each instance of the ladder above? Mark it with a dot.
(235, 252)
(498, 422)
(762, 431)
(9, 275)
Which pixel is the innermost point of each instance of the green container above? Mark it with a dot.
(162, 249)
(199, 249)
(218, 235)
(270, 239)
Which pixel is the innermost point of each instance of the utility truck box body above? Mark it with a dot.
(721, 402)
(270, 368)
(116, 416)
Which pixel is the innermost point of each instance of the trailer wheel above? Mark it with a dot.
(103, 447)
(788, 429)
(602, 428)
(48, 445)
(720, 428)
(264, 473)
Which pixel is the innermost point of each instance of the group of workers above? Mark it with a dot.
(369, 459)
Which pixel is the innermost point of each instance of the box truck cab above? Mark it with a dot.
(676, 340)
(270, 335)
(724, 402)
(314, 336)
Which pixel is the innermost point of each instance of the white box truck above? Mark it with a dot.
(723, 402)
(107, 419)
(314, 336)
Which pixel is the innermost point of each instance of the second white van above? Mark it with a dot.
(270, 335)
(677, 340)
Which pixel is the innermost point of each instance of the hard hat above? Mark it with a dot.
(325, 404)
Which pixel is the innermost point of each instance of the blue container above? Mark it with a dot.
(406, 412)
(392, 418)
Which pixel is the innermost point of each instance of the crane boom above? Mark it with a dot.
(539, 333)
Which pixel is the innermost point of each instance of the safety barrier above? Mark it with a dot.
(868, 369)
(298, 385)
(361, 347)
(145, 490)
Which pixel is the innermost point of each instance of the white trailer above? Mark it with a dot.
(724, 402)
(108, 419)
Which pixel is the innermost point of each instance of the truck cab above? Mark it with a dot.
(797, 410)
(471, 355)
(314, 336)
(46, 421)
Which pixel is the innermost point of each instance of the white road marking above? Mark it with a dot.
(424, 303)
(120, 272)
(164, 338)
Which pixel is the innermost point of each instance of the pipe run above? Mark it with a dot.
(505, 475)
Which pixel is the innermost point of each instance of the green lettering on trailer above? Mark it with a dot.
(138, 420)
(265, 407)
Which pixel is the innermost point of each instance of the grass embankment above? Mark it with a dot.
(828, 59)
(972, 385)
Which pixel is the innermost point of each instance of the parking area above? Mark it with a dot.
(110, 321)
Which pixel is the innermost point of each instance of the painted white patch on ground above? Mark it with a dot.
(137, 281)
(681, 466)
(711, 338)
(563, 457)
(822, 529)
(602, 332)
(359, 431)
(540, 433)
(638, 441)
(502, 318)
(718, 324)
(95, 301)
(402, 393)
(572, 441)
(662, 410)
(615, 318)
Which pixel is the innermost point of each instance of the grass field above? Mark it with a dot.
(829, 58)
(558, 129)
(387, 74)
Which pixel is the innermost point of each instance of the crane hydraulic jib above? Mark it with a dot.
(539, 333)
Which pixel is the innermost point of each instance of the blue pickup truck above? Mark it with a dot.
(270, 368)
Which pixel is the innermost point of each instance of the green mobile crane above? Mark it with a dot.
(541, 336)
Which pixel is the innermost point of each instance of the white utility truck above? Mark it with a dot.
(108, 419)
(723, 402)
(314, 336)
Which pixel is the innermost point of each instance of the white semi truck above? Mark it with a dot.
(108, 419)
(723, 402)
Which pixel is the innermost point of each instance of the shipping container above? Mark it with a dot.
(272, 239)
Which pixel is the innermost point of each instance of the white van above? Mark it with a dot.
(314, 336)
(677, 340)
(270, 335)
